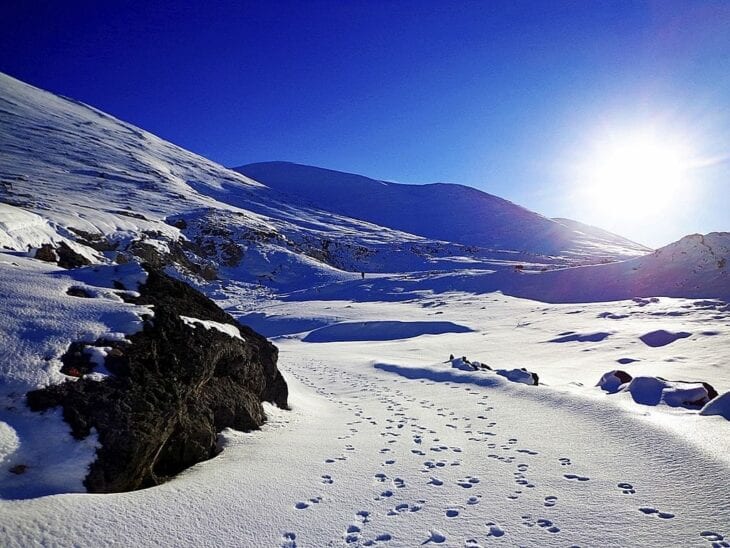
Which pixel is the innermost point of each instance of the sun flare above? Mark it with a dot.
(637, 172)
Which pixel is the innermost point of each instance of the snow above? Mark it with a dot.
(228, 329)
(719, 406)
(389, 442)
(38, 322)
(456, 213)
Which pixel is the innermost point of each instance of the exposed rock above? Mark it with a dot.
(78, 292)
(46, 253)
(68, 258)
(171, 390)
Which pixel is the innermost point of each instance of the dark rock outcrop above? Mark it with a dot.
(173, 388)
(63, 255)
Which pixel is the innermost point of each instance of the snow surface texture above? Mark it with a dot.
(389, 443)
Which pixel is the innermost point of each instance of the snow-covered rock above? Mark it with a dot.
(655, 390)
(519, 375)
(718, 406)
(613, 381)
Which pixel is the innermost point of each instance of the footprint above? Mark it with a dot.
(716, 539)
(575, 477)
(437, 537)
(352, 535)
(473, 500)
(564, 461)
(649, 511)
(364, 516)
(288, 540)
(435, 481)
(399, 482)
(468, 482)
(452, 513)
(627, 488)
(551, 501)
(548, 525)
(327, 479)
(495, 530)
(301, 505)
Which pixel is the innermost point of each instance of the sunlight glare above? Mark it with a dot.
(636, 173)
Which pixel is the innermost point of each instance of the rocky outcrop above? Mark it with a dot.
(191, 372)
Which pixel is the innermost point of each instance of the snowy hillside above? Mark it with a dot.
(440, 211)
(446, 374)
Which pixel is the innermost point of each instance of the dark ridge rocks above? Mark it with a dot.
(63, 255)
(172, 389)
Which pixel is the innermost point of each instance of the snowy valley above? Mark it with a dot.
(453, 369)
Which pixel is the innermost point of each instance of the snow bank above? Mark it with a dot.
(719, 406)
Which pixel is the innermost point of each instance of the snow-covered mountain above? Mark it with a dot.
(440, 211)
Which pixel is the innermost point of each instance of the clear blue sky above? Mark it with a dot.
(506, 95)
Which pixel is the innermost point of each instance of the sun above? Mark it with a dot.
(637, 172)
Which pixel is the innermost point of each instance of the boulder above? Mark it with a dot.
(612, 381)
(191, 372)
(521, 375)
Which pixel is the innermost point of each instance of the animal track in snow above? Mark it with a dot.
(452, 513)
(288, 540)
(649, 511)
(437, 537)
(435, 481)
(551, 501)
(575, 477)
(627, 488)
(564, 461)
(495, 530)
(548, 525)
(716, 539)
(468, 482)
(326, 478)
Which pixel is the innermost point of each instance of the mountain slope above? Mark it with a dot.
(440, 211)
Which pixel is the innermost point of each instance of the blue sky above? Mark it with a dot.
(507, 96)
